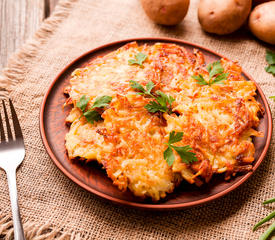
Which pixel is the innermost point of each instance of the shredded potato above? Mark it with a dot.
(218, 121)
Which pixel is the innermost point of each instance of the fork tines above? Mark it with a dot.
(15, 123)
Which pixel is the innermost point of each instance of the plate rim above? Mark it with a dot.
(138, 204)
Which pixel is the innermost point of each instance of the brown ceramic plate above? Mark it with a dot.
(94, 179)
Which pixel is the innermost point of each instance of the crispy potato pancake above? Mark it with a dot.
(218, 121)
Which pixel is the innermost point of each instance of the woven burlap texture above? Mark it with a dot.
(52, 206)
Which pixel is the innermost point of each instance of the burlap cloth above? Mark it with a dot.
(52, 206)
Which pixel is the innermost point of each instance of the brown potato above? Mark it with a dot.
(262, 22)
(166, 12)
(223, 16)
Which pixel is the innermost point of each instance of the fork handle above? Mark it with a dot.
(17, 224)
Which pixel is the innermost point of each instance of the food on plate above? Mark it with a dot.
(223, 17)
(169, 12)
(155, 115)
(262, 22)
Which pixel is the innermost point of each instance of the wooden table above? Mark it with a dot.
(19, 20)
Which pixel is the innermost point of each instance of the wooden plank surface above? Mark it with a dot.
(19, 20)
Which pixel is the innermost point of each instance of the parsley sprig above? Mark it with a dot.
(139, 59)
(185, 152)
(147, 92)
(216, 75)
(91, 114)
(270, 58)
(161, 103)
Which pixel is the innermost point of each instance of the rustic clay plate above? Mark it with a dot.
(94, 179)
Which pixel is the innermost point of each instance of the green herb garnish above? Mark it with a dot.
(214, 69)
(91, 114)
(270, 58)
(149, 86)
(200, 80)
(101, 102)
(271, 228)
(139, 59)
(161, 103)
(185, 152)
(83, 102)
(270, 69)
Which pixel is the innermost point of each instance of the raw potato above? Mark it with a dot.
(166, 12)
(262, 22)
(223, 16)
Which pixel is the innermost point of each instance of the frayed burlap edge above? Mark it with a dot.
(15, 69)
(12, 74)
(35, 232)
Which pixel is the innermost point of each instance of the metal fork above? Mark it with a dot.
(12, 153)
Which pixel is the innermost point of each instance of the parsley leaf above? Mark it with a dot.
(214, 69)
(220, 78)
(163, 103)
(139, 59)
(169, 156)
(270, 69)
(164, 98)
(83, 102)
(184, 152)
(175, 137)
(200, 80)
(270, 58)
(92, 115)
(136, 86)
(154, 106)
(149, 86)
(102, 101)
(272, 97)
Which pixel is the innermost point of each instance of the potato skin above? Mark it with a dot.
(166, 12)
(262, 22)
(223, 17)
